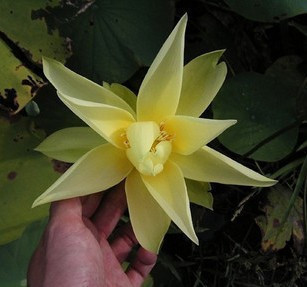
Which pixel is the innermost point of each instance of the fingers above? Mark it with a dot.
(144, 261)
(66, 208)
(80, 206)
(83, 208)
(141, 267)
(36, 268)
(112, 208)
(123, 242)
(90, 204)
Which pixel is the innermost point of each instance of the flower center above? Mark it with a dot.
(148, 146)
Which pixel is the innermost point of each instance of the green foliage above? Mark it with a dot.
(17, 83)
(263, 107)
(120, 34)
(268, 10)
(275, 233)
(21, 23)
(106, 31)
(15, 256)
(111, 41)
(24, 175)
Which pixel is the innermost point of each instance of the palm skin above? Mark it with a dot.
(75, 250)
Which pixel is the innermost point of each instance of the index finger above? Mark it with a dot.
(110, 210)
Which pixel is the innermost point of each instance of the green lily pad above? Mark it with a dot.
(268, 10)
(18, 85)
(24, 175)
(275, 236)
(120, 36)
(288, 70)
(21, 24)
(17, 254)
(266, 112)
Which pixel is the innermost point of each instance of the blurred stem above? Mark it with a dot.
(282, 172)
(300, 181)
(305, 212)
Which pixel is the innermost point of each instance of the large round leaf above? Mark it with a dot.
(268, 10)
(263, 106)
(17, 83)
(24, 175)
(112, 39)
(21, 24)
(290, 71)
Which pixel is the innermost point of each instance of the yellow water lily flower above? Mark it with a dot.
(155, 141)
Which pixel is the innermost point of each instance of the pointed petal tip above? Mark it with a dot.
(262, 181)
(267, 182)
(221, 51)
(232, 122)
(219, 54)
(221, 64)
(47, 61)
(274, 182)
(216, 53)
(36, 202)
(42, 199)
(184, 17)
(38, 148)
(182, 23)
(195, 239)
(49, 64)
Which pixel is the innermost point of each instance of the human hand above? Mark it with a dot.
(75, 250)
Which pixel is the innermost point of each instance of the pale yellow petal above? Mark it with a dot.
(169, 190)
(71, 84)
(98, 170)
(190, 133)
(110, 122)
(70, 144)
(149, 222)
(123, 92)
(209, 165)
(160, 90)
(198, 193)
(202, 79)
